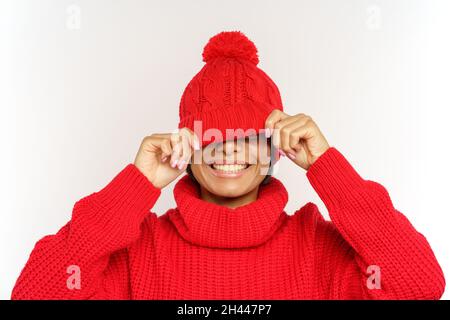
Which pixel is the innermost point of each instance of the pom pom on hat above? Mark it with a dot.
(232, 44)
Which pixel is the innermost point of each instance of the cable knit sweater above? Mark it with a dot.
(201, 250)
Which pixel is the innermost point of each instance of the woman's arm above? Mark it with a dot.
(87, 258)
(390, 259)
(369, 233)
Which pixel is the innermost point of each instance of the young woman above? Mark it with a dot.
(229, 236)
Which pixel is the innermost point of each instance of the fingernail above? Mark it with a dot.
(267, 133)
(163, 159)
(282, 152)
(174, 163)
(196, 145)
(181, 164)
(291, 155)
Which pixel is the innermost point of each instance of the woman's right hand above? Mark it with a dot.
(162, 157)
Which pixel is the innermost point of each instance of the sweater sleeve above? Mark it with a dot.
(390, 259)
(87, 258)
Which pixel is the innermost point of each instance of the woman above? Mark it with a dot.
(229, 236)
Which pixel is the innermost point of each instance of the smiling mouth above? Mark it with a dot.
(229, 170)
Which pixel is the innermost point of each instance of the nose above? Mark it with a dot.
(231, 147)
(232, 151)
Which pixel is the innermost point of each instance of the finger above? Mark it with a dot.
(287, 126)
(176, 154)
(162, 135)
(190, 142)
(280, 126)
(166, 149)
(193, 139)
(285, 138)
(152, 144)
(304, 132)
(186, 152)
(299, 119)
(176, 149)
(275, 116)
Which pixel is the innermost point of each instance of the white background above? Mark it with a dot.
(82, 82)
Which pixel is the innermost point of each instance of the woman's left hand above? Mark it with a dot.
(297, 137)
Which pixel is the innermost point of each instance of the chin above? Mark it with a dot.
(230, 190)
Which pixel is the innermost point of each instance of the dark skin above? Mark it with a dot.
(230, 173)
(237, 184)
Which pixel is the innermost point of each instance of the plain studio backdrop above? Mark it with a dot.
(82, 82)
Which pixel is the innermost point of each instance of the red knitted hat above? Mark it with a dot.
(229, 92)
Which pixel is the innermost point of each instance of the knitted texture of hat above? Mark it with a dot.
(230, 91)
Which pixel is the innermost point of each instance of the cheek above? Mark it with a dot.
(260, 154)
(198, 172)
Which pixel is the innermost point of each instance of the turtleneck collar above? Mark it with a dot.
(211, 225)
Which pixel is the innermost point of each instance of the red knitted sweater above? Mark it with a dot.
(201, 250)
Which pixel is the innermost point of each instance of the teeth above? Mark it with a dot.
(230, 167)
